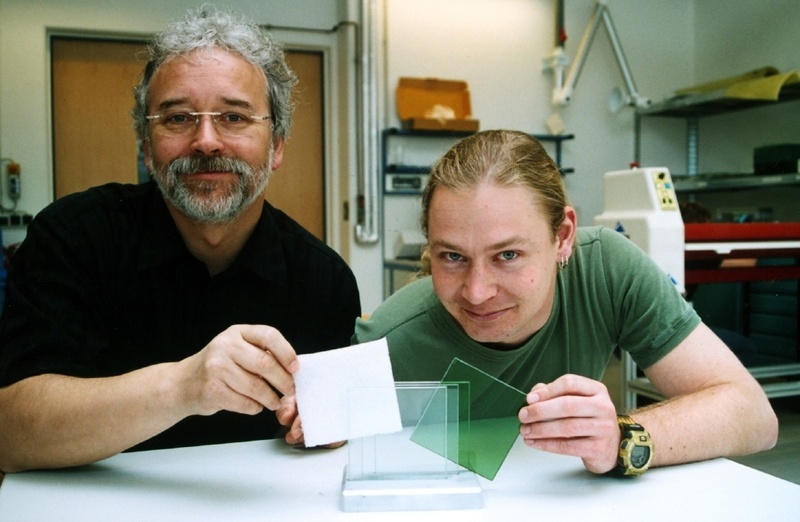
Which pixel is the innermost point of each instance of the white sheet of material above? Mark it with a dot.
(347, 393)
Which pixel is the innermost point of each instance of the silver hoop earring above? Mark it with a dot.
(563, 262)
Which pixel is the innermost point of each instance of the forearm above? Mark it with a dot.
(722, 420)
(53, 421)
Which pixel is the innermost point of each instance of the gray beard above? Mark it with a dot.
(197, 201)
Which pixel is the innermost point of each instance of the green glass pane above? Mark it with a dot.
(487, 424)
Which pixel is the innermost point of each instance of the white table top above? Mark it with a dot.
(267, 480)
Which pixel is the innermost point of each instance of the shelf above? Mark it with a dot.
(713, 103)
(406, 169)
(394, 131)
(713, 182)
(692, 107)
(395, 168)
(776, 380)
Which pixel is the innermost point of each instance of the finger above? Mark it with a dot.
(577, 447)
(271, 340)
(295, 433)
(214, 381)
(567, 407)
(565, 385)
(567, 428)
(287, 412)
(533, 395)
(597, 406)
(263, 365)
(253, 388)
(597, 448)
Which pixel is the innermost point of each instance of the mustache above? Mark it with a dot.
(194, 164)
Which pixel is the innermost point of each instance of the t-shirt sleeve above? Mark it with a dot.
(651, 316)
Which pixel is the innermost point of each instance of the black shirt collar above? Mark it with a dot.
(162, 243)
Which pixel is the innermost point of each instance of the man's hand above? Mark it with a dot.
(244, 369)
(573, 415)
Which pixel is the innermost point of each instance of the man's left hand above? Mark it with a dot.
(573, 415)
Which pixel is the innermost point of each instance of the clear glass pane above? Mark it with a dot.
(431, 408)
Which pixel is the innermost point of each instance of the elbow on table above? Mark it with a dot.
(771, 430)
(8, 464)
(762, 423)
(11, 453)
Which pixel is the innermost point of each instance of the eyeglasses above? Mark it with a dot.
(181, 122)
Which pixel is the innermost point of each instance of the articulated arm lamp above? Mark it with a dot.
(562, 92)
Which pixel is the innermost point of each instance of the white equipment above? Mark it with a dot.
(641, 203)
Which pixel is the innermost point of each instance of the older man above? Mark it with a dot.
(170, 313)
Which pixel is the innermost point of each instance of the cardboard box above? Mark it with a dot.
(433, 104)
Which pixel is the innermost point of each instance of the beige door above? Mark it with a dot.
(93, 139)
(94, 143)
(298, 186)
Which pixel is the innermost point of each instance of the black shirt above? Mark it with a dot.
(103, 284)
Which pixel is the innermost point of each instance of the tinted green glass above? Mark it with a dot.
(487, 424)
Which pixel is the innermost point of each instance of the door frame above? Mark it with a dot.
(337, 105)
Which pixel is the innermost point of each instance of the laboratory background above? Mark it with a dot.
(506, 59)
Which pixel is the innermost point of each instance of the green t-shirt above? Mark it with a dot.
(611, 295)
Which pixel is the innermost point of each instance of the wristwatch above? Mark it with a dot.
(635, 448)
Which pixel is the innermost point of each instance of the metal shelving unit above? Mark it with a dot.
(777, 380)
(391, 168)
(696, 106)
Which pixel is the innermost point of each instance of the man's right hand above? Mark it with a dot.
(244, 369)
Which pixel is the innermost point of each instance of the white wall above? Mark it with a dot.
(497, 46)
(735, 40)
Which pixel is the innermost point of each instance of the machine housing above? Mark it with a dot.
(641, 204)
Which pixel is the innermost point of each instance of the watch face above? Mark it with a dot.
(639, 456)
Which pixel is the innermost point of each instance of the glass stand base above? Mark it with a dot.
(411, 492)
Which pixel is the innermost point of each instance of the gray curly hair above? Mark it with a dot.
(206, 28)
